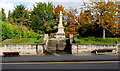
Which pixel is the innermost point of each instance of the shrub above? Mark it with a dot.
(12, 31)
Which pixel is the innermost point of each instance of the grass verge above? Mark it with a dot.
(94, 40)
(23, 41)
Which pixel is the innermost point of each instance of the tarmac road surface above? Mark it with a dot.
(62, 58)
(109, 62)
(62, 65)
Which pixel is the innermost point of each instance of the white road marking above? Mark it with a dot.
(61, 62)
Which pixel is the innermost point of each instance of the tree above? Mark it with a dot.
(20, 16)
(105, 15)
(20, 12)
(3, 15)
(72, 22)
(10, 18)
(42, 18)
(0, 31)
(85, 19)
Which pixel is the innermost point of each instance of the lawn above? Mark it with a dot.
(81, 40)
(22, 41)
(94, 40)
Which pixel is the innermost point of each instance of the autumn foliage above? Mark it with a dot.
(99, 18)
(93, 16)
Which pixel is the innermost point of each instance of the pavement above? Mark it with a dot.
(62, 58)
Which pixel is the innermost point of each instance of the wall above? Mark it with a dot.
(1, 50)
(33, 49)
(88, 48)
(23, 49)
(56, 44)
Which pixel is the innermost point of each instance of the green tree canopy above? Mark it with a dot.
(42, 18)
(2, 15)
(19, 14)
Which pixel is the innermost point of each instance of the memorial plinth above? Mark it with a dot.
(59, 42)
(56, 44)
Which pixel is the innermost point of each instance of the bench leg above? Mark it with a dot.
(96, 52)
(114, 51)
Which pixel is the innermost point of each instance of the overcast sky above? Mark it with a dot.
(10, 4)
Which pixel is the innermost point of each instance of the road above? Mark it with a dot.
(84, 62)
(58, 58)
(62, 65)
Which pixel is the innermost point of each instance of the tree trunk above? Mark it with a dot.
(104, 33)
(20, 34)
(20, 30)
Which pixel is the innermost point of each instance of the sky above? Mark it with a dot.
(10, 4)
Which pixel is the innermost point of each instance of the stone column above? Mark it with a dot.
(71, 38)
(40, 49)
(45, 40)
(60, 21)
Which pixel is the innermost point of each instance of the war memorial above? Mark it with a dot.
(58, 44)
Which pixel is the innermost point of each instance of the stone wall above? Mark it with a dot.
(56, 44)
(23, 49)
(1, 50)
(88, 48)
(34, 49)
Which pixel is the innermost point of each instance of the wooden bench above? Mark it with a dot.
(10, 53)
(106, 50)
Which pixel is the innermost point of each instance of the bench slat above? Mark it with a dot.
(106, 49)
(10, 52)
